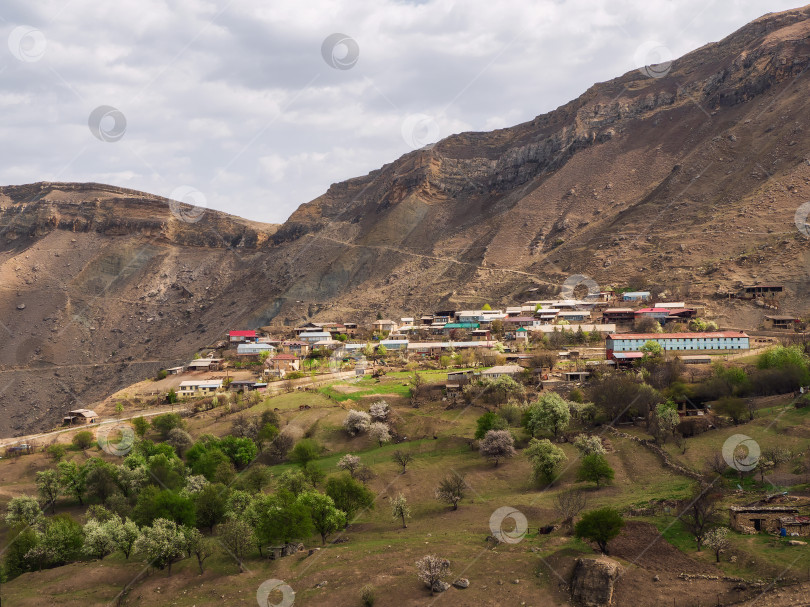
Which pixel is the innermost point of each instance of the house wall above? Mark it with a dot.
(745, 522)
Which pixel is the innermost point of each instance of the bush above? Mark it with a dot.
(305, 451)
(489, 421)
(56, 452)
(733, 407)
(367, 595)
(166, 423)
(82, 440)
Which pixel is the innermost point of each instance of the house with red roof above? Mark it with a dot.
(241, 337)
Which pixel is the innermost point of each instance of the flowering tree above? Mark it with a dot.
(588, 445)
(162, 544)
(380, 432)
(717, 540)
(356, 422)
(22, 510)
(400, 509)
(430, 569)
(497, 445)
(349, 462)
(380, 411)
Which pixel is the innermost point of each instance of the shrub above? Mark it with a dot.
(489, 421)
(82, 440)
(56, 451)
(305, 451)
(166, 423)
(589, 444)
(367, 595)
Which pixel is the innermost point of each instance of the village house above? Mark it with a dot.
(281, 364)
(499, 370)
(351, 328)
(636, 296)
(245, 385)
(771, 519)
(204, 387)
(237, 337)
(574, 316)
(384, 326)
(311, 337)
(513, 322)
(681, 314)
(205, 364)
(80, 416)
(479, 334)
(659, 314)
(619, 315)
(628, 345)
(755, 291)
(299, 348)
(254, 349)
(175, 370)
(780, 322)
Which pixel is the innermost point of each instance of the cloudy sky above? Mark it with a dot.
(254, 106)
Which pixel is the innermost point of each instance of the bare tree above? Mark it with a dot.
(699, 512)
(452, 489)
(717, 464)
(568, 505)
(403, 458)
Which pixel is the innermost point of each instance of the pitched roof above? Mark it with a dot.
(242, 333)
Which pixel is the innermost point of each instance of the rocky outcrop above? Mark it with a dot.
(593, 581)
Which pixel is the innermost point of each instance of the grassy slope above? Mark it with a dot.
(378, 551)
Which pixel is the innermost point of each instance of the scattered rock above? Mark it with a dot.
(516, 581)
(656, 578)
(440, 586)
(796, 543)
(21, 306)
(462, 583)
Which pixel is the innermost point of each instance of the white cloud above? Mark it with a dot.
(235, 99)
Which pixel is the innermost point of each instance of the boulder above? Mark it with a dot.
(440, 586)
(796, 543)
(593, 580)
(462, 583)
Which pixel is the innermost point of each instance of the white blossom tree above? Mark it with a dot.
(717, 540)
(588, 445)
(98, 542)
(162, 544)
(497, 445)
(125, 534)
(349, 462)
(380, 411)
(400, 509)
(356, 422)
(379, 432)
(23, 510)
(430, 569)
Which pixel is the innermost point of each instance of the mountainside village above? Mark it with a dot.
(602, 329)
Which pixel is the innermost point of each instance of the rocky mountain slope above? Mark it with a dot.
(691, 179)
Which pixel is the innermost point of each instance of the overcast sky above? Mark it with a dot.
(253, 106)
